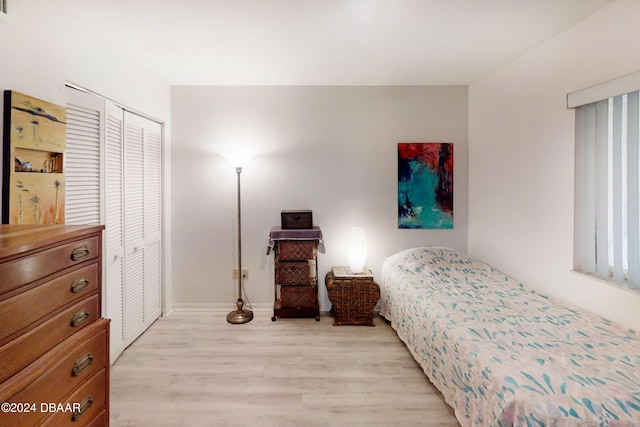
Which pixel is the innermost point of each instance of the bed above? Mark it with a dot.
(502, 354)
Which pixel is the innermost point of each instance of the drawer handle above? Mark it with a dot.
(79, 317)
(84, 407)
(79, 284)
(82, 364)
(79, 253)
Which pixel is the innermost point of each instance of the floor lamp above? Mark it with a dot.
(240, 315)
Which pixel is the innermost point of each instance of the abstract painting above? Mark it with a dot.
(425, 185)
(33, 186)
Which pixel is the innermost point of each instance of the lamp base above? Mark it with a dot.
(240, 316)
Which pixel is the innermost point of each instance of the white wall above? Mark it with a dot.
(44, 45)
(329, 149)
(521, 151)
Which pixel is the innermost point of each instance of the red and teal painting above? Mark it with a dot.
(425, 185)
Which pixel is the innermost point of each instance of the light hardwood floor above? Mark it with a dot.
(195, 369)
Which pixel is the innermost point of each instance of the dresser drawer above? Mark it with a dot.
(28, 347)
(83, 356)
(91, 397)
(28, 307)
(22, 271)
(101, 420)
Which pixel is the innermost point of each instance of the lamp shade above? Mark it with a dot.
(237, 159)
(357, 249)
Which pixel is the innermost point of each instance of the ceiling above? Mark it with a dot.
(329, 42)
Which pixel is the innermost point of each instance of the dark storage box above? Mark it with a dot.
(292, 220)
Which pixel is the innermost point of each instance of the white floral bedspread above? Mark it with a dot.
(504, 355)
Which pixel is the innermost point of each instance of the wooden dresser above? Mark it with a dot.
(54, 343)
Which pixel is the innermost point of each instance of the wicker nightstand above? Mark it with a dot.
(353, 296)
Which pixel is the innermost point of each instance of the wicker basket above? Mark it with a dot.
(353, 299)
(293, 273)
(296, 249)
(297, 296)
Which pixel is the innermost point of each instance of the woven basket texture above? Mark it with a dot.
(293, 273)
(297, 296)
(353, 300)
(296, 249)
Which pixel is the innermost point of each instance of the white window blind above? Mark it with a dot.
(607, 189)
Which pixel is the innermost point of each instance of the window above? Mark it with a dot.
(607, 189)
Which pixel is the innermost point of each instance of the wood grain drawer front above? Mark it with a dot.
(28, 347)
(29, 307)
(91, 397)
(81, 363)
(22, 271)
(101, 420)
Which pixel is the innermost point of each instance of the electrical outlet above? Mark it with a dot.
(245, 273)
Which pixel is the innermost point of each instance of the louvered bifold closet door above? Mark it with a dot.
(114, 254)
(113, 164)
(82, 158)
(153, 220)
(134, 205)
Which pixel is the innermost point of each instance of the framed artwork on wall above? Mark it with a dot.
(33, 184)
(425, 185)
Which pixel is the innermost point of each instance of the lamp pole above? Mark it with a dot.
(240, 315)
(238, 172)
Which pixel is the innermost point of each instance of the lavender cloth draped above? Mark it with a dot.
(277, 233)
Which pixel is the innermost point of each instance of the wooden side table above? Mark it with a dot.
(353, 296)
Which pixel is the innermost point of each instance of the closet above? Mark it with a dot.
(113, 166)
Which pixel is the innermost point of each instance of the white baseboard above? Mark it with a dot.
(213, 307)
